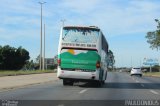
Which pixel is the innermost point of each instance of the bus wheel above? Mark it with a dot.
(67, 82)
(71, 82)
(98, 83)
(103, 82)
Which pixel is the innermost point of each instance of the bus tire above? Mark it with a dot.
(71, 82)
(103, 82)
(98, 83)
(67, 82)
(106, 76)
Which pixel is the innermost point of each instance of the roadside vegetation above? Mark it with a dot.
(16, 61)
(12, 58)
(154, 74)
(153, 37)
(22, 72)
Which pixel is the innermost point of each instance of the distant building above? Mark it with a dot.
(49, 62)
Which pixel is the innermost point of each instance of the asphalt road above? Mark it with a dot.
(118, 88)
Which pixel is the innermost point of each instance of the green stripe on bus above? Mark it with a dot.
(80, 61)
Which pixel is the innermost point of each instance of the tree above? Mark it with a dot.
(30, 65)
(153, 37)
(1, 62)
(8, 57)
(110, 59)
(12, 58)
(22, 57)
(37, 61)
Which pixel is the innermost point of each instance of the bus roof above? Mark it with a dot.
(85, 27)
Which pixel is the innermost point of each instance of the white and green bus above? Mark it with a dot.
(82, 55)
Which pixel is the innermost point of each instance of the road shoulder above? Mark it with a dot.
(10, 82)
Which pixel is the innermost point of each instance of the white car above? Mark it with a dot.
(136, 71)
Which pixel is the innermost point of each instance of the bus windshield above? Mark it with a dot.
(80, 35)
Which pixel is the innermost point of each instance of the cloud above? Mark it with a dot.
(21, 18)
(119, 20)
(115, 18)
(80, 6)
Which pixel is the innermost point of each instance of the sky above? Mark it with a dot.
(123, 22)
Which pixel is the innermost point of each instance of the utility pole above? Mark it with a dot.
(41, 3)
(44, 51)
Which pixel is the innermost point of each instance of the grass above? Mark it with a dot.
(22, 72)
(156, 74)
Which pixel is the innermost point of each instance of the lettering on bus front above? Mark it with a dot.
(79, 45)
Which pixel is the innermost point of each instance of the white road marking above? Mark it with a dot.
(60, 105)
(154, 92)
(142, 85)
(82, 91)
